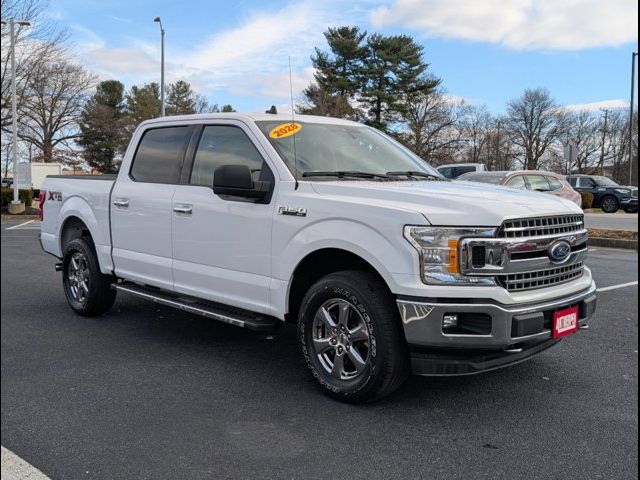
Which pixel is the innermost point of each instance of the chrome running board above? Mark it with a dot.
(215, 311)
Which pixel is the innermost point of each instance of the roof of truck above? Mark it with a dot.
(251, 117)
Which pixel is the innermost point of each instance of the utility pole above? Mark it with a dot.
(498, 164)
(16, 205)
(157, 19)
(604, 139)
(633, 72)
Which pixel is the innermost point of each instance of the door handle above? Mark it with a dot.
(122, 203)
(183, 209)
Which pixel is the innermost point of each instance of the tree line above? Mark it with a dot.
(66, 115)
(384, 81)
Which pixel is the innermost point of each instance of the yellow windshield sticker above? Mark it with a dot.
(285, 130)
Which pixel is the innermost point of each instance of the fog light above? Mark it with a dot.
(449, 321)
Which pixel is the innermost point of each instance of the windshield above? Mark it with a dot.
(604, 181)
(323, 147)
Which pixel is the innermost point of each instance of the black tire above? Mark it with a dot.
(386, 364)
(93, 294)
(609, 204)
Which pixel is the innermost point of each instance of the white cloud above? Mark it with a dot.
(275, 85)
(87, 39)
(250, 58)
(608, 104)
(263, 43)
(120, 61)
(519, 24)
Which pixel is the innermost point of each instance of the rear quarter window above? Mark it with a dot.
(159, 156)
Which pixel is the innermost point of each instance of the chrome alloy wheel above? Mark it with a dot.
(341, 339)
(78, 276)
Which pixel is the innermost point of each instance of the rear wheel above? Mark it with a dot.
(88, 291)
(351, 338)
(610, 204)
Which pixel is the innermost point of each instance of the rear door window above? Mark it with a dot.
(517, 182)
(554, 183)
(538, 183)
(160, 154)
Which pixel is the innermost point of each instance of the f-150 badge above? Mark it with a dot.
(296, 212)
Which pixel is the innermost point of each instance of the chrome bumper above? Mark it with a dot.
(422, 321)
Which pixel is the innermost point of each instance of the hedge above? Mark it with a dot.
(587, 200)
(25, 196)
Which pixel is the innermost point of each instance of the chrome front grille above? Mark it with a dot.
(541, 278)
(541, 226)
(634, 192)
(523, 254)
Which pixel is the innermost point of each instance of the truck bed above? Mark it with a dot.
(89, 200)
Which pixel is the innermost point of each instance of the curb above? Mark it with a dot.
(613, 243)
(6, 216)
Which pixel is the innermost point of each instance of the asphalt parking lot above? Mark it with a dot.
(147, 392)
(612, 221)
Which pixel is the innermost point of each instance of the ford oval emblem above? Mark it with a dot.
(559, 251)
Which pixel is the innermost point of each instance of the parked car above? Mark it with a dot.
(534, 180)
(7, 182)
(607, 194)
(385, 267)
(454, 170)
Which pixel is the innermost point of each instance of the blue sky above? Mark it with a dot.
(485, 51)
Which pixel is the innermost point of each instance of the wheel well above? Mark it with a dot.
(74, 228)
(315, 266)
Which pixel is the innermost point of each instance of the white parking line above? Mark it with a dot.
(622, 285)
(15, 468)
(20, 225)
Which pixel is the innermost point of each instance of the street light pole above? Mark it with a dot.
(633, 72)
(157, 19)
(14, 104)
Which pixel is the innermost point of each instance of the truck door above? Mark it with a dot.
(141, 207)
(222, 246)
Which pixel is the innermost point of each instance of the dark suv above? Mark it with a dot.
(607, 194)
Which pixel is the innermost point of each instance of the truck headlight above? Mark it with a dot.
(438, 248)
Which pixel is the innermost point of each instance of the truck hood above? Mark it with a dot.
(454, 203)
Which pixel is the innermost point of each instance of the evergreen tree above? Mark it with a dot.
(180, 99)
(228, 108)
(101, 122)
(338, 73)
(143, 103)
(393, 70)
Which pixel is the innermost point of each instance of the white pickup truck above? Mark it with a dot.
(386, 267)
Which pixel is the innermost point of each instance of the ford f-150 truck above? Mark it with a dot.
(385, 266)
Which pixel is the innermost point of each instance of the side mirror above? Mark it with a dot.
(236, 181)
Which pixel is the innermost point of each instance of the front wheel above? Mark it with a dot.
(610, 204)
(88, 291)
(351, 338)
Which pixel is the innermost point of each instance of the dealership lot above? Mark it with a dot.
(151, 392)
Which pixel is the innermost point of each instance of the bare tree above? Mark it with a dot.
(583, 130)
(55, 93)
(535, 121)
(476, 128)
(432, 126)
(34, 45)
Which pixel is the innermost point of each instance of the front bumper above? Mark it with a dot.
(629, 203)
(503, 330)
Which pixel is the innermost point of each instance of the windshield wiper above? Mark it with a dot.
(345, 173)
(411, 173)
